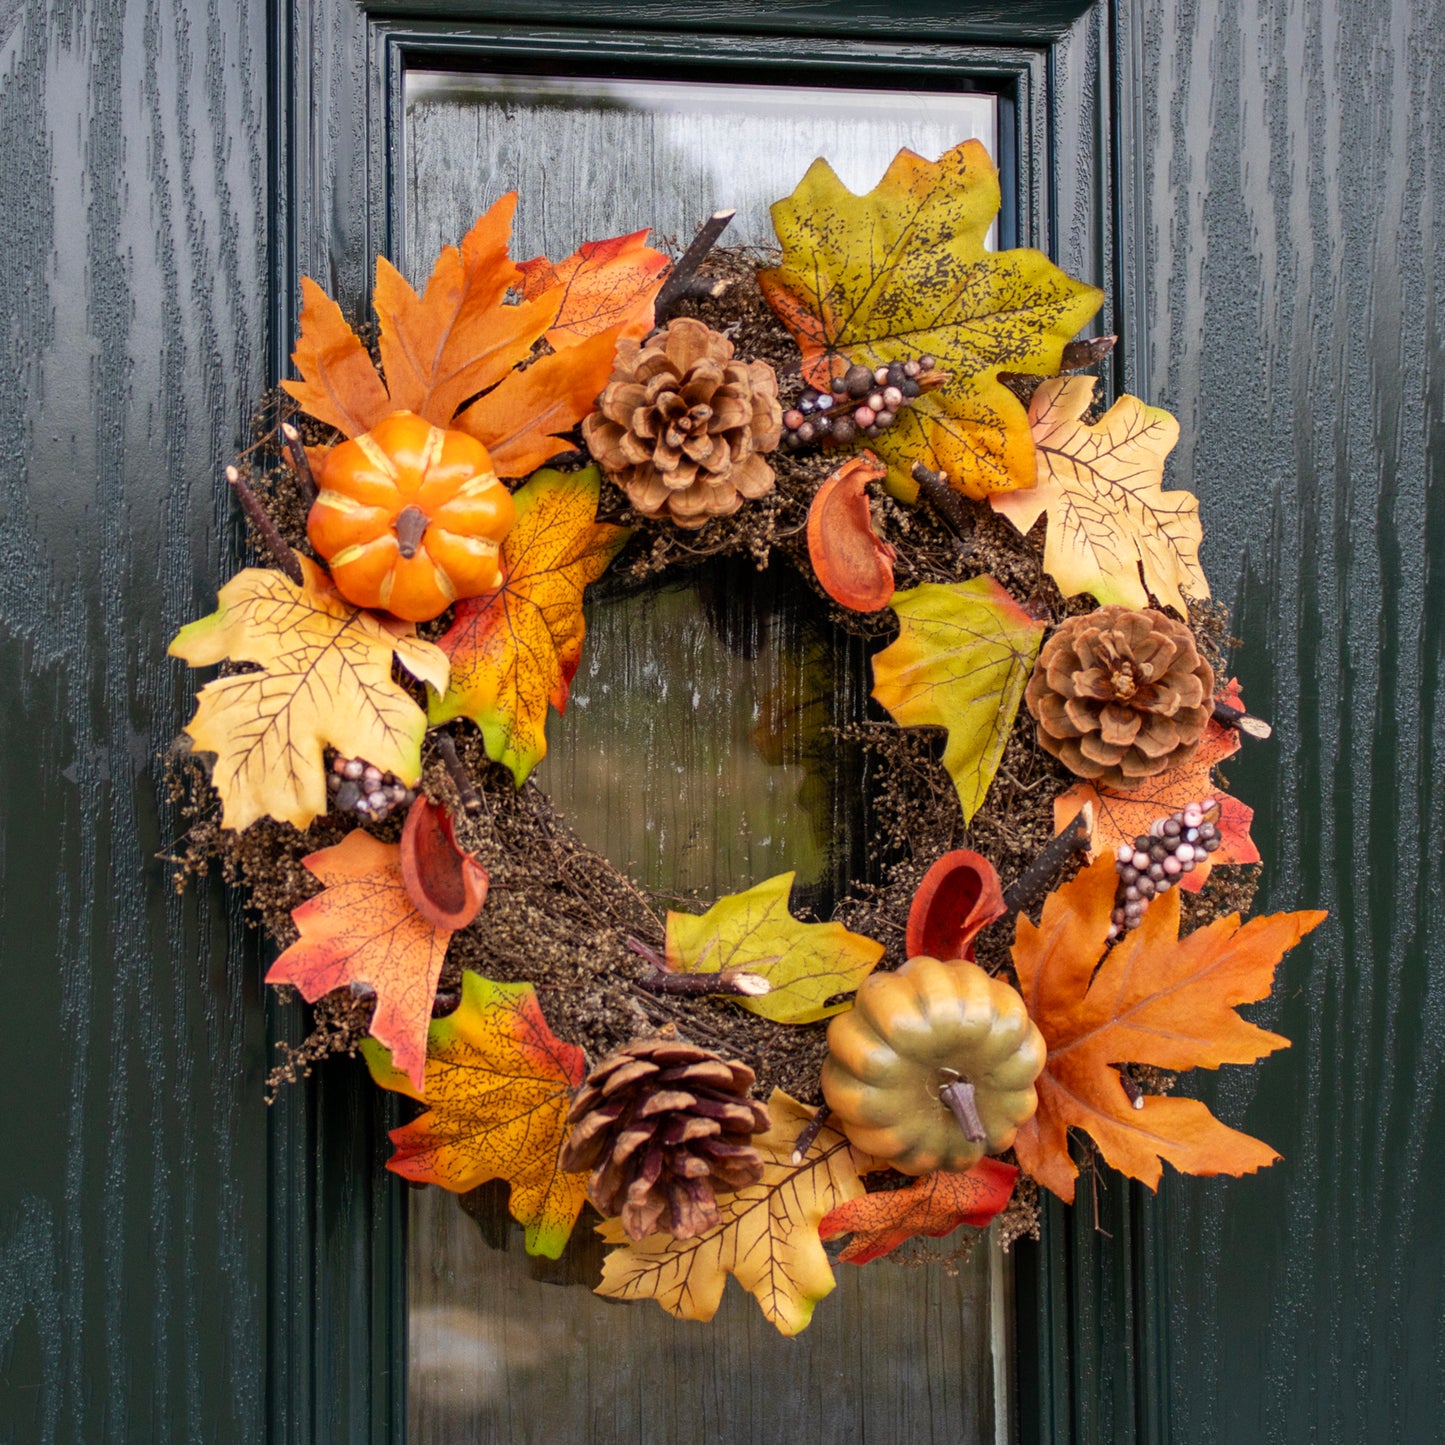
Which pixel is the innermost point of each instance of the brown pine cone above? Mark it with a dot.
(660, 1124)
(682, 428)
(1120, 695)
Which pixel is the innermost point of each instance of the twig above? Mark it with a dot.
(1037, 876)
(1079, 355)
(1233, 717)
(300, 462)
(707, 288)
(470, 798)
(682, 273)
(963, 1102)
(664, 980)
(940, 497)
(809, 1132)
(286, 559)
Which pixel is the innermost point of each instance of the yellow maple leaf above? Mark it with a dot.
(806, 963)
(1103, 488)
(902, 272)
(323, 678)
(960, 662)
(768, 1237)
(499, 1084)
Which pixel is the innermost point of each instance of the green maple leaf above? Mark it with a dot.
(806, 963)
(902, 272)
(960, 662)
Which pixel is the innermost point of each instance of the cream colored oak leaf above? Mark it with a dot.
(768, 1236)
(1103, 488)
(322, 678)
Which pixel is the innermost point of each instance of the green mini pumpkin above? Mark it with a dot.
(910, 1036)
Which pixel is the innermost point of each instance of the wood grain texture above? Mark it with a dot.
(1293, 207)
(132, 1203)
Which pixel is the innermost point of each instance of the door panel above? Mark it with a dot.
(1296, 221)
(698, 752)
(133, 290)
(1259, 186)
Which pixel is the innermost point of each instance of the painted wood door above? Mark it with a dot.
(1259, 188)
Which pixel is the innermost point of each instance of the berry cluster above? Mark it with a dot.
(1155, 861)
(864, 402)
(357, 786)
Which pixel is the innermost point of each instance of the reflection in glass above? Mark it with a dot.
(698, 747)
(593, 158)
(505, 1349)
(700, 752)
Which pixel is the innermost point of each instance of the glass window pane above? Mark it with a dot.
(698, 751)
(595, 158)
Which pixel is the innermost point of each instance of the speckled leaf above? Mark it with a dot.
(768, 1237)
(364, 928)
(902, 272)
(324, 679)
(1103, 488)
(806, 963)
(960, 662)
(499, 1083)
(515, 650)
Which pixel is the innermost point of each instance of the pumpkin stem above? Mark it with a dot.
(296, 455)
(963, 1103)
(410, 528)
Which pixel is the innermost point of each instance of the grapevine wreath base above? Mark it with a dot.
(748, 410)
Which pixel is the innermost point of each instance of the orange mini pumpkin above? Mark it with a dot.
(410, 518)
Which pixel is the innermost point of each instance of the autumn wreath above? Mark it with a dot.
(904, 419)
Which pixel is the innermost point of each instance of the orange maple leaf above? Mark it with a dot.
(514, 650)
(456, 341)
(518, 420)
(457, 338)
(364, 928)
(1121, 817)
(499, 1085)
(339, 384)
(604, 284)
(1154, 999)
(935, 1205)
